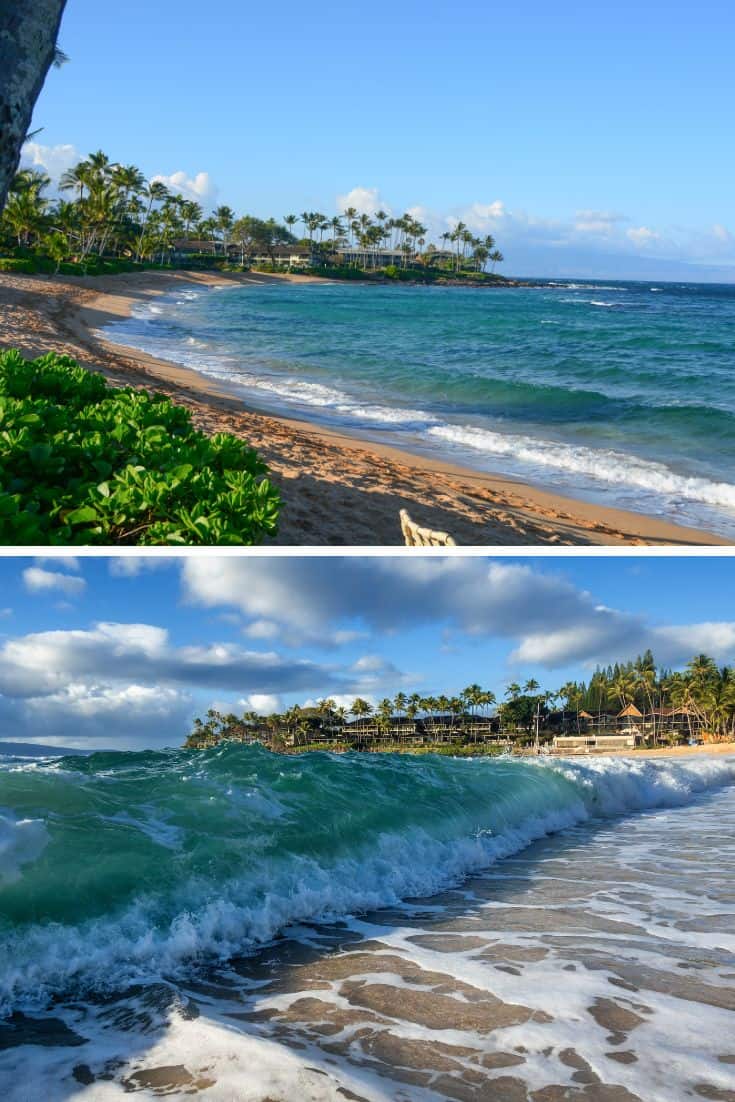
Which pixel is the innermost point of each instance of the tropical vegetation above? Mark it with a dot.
(675, 704)
(109, 218)
(82, 462)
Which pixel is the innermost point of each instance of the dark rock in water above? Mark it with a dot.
(83, 1074)
(21, 1030)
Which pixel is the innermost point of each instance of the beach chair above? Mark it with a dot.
(416, 536)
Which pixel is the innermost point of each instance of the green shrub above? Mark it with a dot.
(10, 264)
(84, 463)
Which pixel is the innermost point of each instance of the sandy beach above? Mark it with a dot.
(337, 489)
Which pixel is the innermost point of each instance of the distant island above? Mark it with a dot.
(624, 706)
(116, 220)
(38, 750)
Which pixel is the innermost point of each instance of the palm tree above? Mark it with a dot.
(224, 219)
(155, 192)
(191, 214)
(623, 686)
(496, 257)
(360, 708)
(350, 214)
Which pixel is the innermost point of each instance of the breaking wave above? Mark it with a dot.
(145, 864)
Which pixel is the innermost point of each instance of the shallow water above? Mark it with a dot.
(622, 393)
(595, 963)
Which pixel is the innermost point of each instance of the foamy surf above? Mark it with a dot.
(602, 466)
(217, 852)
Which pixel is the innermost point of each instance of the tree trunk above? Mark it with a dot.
(27, 44)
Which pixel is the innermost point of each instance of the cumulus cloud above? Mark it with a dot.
(262, 703)
(69, 562)
(38, 580)
(100, 716)
(44, 663)
(54, 160)
(201, 188)
(365, 200)
(642, 236)
(127, 684)
(130, 566)
(547, 619)
(481, 215)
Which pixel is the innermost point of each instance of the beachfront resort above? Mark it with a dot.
(109, 218)
(623, 707)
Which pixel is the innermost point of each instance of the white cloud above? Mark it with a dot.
(130, 566)
(368, 663)
(54, 160)
(38, 580)
(69, 562)
(642, 236)
(365, 200)
(201, 188)
(263, 703)
(104, 701)
(685, 640)
(600, 223)
(43, 663)
(126, 684)
(549, 620)
(589, 242)
(261, 629)
(481, 215)
(100, 716)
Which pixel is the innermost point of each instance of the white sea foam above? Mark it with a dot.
(217, 921)
(319, 396)
(603, 465)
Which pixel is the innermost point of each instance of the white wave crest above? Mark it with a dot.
(603, 465)
(217, 921)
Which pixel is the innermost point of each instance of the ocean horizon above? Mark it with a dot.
(620, 393)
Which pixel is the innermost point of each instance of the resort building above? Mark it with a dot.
(562, 732)
(372, 257)
(626, 730)
(284, 256)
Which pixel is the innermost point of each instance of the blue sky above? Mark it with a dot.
(122, 653)
(592, 139)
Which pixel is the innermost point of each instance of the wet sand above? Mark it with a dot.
(338, 489)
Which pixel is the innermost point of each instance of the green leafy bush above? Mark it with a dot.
(84, 463)
(11, 264)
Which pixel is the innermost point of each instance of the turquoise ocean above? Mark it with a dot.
(620, 393)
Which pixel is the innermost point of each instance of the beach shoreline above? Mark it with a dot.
(338, 488)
